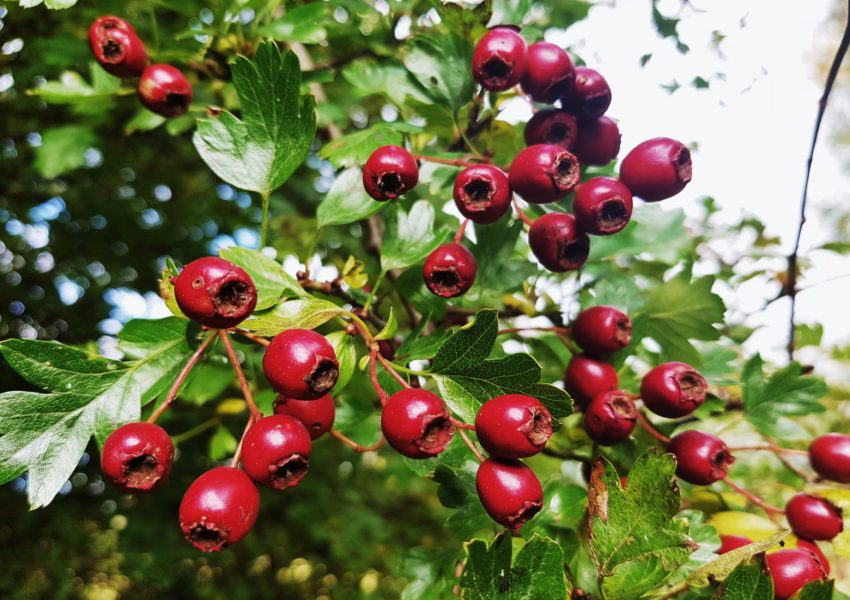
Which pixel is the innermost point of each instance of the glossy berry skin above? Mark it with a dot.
(416, 423)
(791, 569)
(117, 48)
(450, 270)
(276, 451)
(513, 426)
(137, 457)
(610, 417)
(657, 169)
(551, 126)
(165, 90)
(499, 59)
(597, 142)
(316, 415)
(813, 518)
(814, 549)
(601, 330)
(602, 206)
(509, 491)
(586, 377)
(215, 292)
(389, 172)
(732, 542)
(701, 458)
(590, 96)
(482, 193)
(301, 364)
(558, 243)
(829, 456)
(673, 390)
(549, 72)
(543, 173)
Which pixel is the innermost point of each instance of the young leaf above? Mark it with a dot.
(410, 237)
(390, 328)
(63, 149)
(347, 201)
(441, 64)
(303, 313)
(268, 275)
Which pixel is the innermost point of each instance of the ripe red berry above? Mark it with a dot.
(543, 173)
(791, 569)
(449, 270)
(602, 206)
(586, 377)
(601, 330)
(590, 96)
(813, 518)
(610, 417)
(416, 423)
(137, 457)
(499, 59)
(549, 72)
(597, 142)
(316, 415)
(817, 552)
(165, 90)
(389, 172)
(673, 389)
(513, 426)
(551, 126)
(301, 364)
(276, 451)
(509, 491)
(732, 542)
(829, 456)
(215, 292)
(219, 509)
(701, 458)
(558, 243)
(656, 169)
(482, 193)
(116, 47)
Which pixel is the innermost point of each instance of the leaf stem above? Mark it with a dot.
(758, 501)
(470, 445)
(264, 227)
(562, 330)
(238, 454)
(388, 367)
(461, 425)
(373, 374)
(354, 445)
(251, 336)
(522, 216)
(455, 162)
(181, 377)
(243, 383)
(466, 139)
(650, 428)
(461, 231)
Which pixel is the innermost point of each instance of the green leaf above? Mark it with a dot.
(222, 443)
(441, 64)
(390, 328)
(749, 581)
(538, 571)
(410, 237)
(509, 12)
(346, 356)
(354, 148)
(392, 80)
(260, 151)
(72, 89)
(347, 202)
(303, 23)
(268, 275)
(486, 573)
(63, 149)
(301, 313)
(808, 335)
(500, 266)
(816, 590)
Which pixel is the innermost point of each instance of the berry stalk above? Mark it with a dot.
(181, 377)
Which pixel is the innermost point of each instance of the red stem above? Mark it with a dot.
(238, 454)
(373, 373)
(650, 429)
(470, 445)
(769, 508)
(462, 425)
(243, 383)
(389, 369)
(251, 336)
(181, 377)
(562, 330)
(522, 216)
(769, 448)
(455, 162)
(460, 231)
(354, 445)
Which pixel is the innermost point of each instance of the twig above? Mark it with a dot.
(758, 501)
(251, 336)
(454, 162)
(373, 374)
(243, 383)
(650, 428)
(461, 425)
(562, 330)
(470, 445)
(238, 454)
(181, 377)
(461, 231)
(388, 367)
(354, 445)
(522, 216)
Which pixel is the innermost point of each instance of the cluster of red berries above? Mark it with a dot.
(162, 88)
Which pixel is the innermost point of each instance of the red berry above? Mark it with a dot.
(316, 415)
(813, 518)
(791, 569)
(602, 330)
(416, 423)
(610, 417)
(673, 389)
(116, 47)
(219, 509)
(602, 205)
(543, 173)
(586, 377)
(590, 96)
(389, 172)
(215, 292)
(701, 458)
(558, 243)
(549, 72)
(818, 553)
(137, 457)
(499, 59)
(449, 270)
(513, 426)
(165, 90)
(551, 126)
(276, 451)
(301, 364)
(482, 193)
(597, 142)
(509, 491)
(732, 542)
(829, 456)
(657, 169)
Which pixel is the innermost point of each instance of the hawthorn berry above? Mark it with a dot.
(316, 415)
(450, 270)
(791, 569)
(164, 90)
(543, 173)
(601, 330)
(586, 377)
(590, 96)
(276, 451)
(389, 172)
(673, 389)
(549, 72)
(813, 518)
(610, 417)
(551, 126)
(829, 456)
(656, 169)
(701, 458)
(558, 243)
(219, 509)
(301, 364)
(602, 205)
(732, 542)
(597, 141)
(482, 193)
(116, 47)
(509, 491)
(416, 423)
(513, 426)
(814, 549)
(215, 292)
(137, 457)
(499, 59)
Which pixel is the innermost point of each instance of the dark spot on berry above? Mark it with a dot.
(113, 51)
(390, 183)
(141, 472)
(558, 133)
(684, 168)
(436, 435)
(288, 472)
(624, 408)
(178, 102)
(611, 215)
(496, 71)
(207, 537)
(197, 282)
(538, 428)
(572, 254)
(478, 194)
(566, 172)
(232, 297)
(624, 331)
(528, 510)
(445, 282)
(692, 384)
(323, 377)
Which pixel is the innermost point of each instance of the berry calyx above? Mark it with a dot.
(499, 59)
(509, 491)
(602, 205)
(551, 126)
(586, 377)
(513, 426)
(215, 292)
(219, 509)
(301, 364)
(558, 243)
(791, 569)
(543, 173)
(813, 518)
(701, 458)
(673, 389)
(416, 423)
(276, 451)
(137, 457)
(610, 417)
(549, 72)
(601, 330)
(657, 169)
(164, 90)
(116, 47)
(316, 415)
(482, 193)
(590, 95)
(597, 142)
(829, 456)
(450, 270)
(389, 172)
(732, 542)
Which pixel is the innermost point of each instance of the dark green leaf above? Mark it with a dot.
(347, 201)
(63, 149)
(441, 64)
(410, 237)
(816, 590)
(303, 313)
(749, 581)
(303, 23)
(268, 275)
(486, 574)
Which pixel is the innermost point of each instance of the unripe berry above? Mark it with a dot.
(602, 206)
(316, 415)
(732, 542)
(813, 518)
(509, 491)
(543, 173)
(830, 457)
(116, 47)
(499, 59)
(389, 172)
(701, 458)
(601, 330)
(657, 169)
(165, 90)
(513, 426)
(416, 423)
(597, 142)
(610, 417)
(551, 126)
(558, 243)
(673, 390)
(586, 377)
(276, 451)
(137, 457)
(219, 509)
(482, 193)
(549, 72)
(590, 96)
(791, 569)
(301, 364)
(215, 292)
(450, 270)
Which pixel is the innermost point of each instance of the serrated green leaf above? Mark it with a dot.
(441, 64)
(500, 266)
(354, 148)
(538, 571)
(816, 590)
(410, 237)
(347, 202)
(808, 335)
(301, 313)
(749, 581)
(268, 275)
(486, 573)
(368, 77)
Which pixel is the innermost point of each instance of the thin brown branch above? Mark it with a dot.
(354, 445)
(240, 375)
(181, 377)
